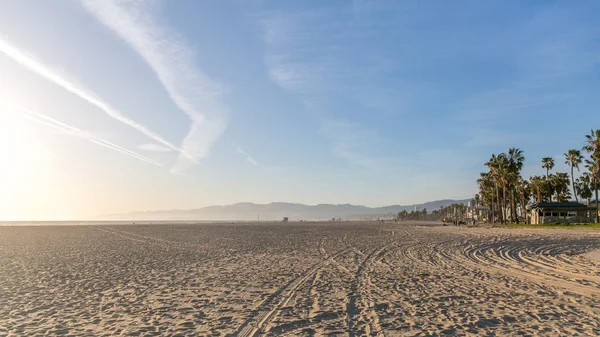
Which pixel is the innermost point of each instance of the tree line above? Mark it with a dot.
(413, 215)
(448, 213)
(506, 193)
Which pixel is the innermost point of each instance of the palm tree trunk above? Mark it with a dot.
(491, 211)
(573, 182)
(524, 211)
(506, 205)
(596, 211)
(548, 185)
(499, 206)
(513, 204)
(503, 204)
(498, 203)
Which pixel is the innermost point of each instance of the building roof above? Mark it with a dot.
(570, 204)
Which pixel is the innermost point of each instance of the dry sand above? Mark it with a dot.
(346, 279)
(594, 255)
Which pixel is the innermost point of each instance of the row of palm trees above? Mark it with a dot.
(413, 215)
(453, 212)
(506, 194)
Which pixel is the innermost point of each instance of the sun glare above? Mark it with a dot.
(20, 151)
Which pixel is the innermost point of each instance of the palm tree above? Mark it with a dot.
(560, 186)
(594, 181)
(593, 146)
(537, 185)
(524, 192)
(573, 158)
(503, 172)
(486, 190)
(495, 176)
(548, 164)
(583, 185)
(475, 201)
(516, 160)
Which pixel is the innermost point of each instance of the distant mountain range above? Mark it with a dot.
(278, 210)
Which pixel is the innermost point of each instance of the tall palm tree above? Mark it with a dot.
(492, 164)
(516, 160)
(594, 181)
(500, 171)
(524, 192)
(506, 180)
(486, 190)
(573, 158)
(548, 164)
(593, 146)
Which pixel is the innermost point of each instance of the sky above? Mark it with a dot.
(117, 106)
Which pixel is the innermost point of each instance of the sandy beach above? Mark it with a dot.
(308, 279)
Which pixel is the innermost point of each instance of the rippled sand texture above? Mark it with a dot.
(347, 279)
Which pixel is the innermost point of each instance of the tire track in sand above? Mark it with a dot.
(267, 311)
(362, 319)
(507, 259)
(130, 237)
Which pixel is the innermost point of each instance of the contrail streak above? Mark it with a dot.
(246, 155)
(37, 67)
(171, 59)
(71, 130)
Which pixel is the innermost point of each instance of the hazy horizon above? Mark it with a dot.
(113, 107)
(230, 214)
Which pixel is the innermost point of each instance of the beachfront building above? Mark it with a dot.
(472, 213)
(478, 213)
(558, 212)
(593, 210)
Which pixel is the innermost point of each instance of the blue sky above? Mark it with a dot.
(112, 106)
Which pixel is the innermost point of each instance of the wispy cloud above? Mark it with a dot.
(46, 72)
(171, 58)
(303, 60)
(351, 142)
(152, 147)
(246, 155)
(75, 132)
(326, 54)
(328, 60)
